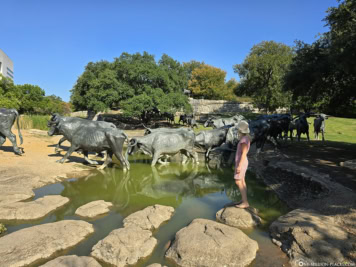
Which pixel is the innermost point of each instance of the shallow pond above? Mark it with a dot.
(194, 192)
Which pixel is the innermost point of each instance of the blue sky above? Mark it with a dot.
(50, 42)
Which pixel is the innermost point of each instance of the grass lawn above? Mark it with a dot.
(337, 130)
(33, 122)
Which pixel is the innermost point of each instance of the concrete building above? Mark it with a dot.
(6, 65)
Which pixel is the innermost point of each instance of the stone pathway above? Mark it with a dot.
(94, 209)
(72, 260)
(127, 245)
(240, 218)
(210, 244)
(32, 210)
(149, 218)
(40, 242)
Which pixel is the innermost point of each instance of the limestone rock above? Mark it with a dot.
(124, 246)
(305, 234)
(32, 210)
(10, 194)
(156, 265)
(29, 245)
(149, 218)
(208, 243)
(94, 209)
(72, 260)
(240, 218)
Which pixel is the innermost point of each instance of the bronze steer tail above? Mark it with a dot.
(18, 126)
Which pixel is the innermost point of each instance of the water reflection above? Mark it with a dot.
(144, 185)
(195, 191)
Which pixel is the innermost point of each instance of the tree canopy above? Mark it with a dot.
(136, 83)
(229, 91)
(323, 74)
(207, 81)
(29, 99)
(190, 66)
(262, 75)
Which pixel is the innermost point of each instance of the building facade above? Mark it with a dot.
(6, 65)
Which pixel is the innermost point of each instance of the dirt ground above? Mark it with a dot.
(39, 159)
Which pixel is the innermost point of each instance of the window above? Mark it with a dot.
(10, 75)
(8, 70)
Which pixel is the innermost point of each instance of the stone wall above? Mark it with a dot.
(202, 107)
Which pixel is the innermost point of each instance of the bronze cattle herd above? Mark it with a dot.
(161, 143)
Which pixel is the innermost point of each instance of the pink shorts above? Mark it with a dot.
(241, 175)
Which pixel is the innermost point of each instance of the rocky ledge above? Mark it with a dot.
(310, 237)
(322, 226)
(34, 244)
(295, 184)
(208, 243)
(10, 194)
(127, 245)
(32, 210)
(94, 209)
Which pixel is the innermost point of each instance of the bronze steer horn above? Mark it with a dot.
(129, 146)
(135, 142)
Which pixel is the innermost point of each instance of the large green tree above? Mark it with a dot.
(323, 74)
(305, 78)
(29, 99)
(97, 88)
(262, 75)
(229, 92)
(10, 94)
(32, 97)
(208, 82)
(136, 83)
(191, 66)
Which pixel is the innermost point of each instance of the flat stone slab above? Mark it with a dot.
(32, 210)
(124, 246)
(94, 208)
(32, 244)
(306, 235)
(72, 261)
(149, 218)
(240, 218)
(10, 194)
(208, 243)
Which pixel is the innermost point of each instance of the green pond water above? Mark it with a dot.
(194, 192)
